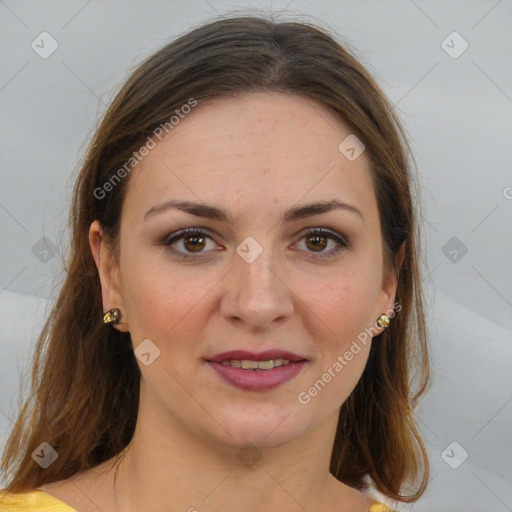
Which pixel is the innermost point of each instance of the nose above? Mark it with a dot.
(256, 294)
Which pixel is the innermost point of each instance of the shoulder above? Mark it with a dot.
(34, 501)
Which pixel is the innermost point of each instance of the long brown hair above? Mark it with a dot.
(85, 379)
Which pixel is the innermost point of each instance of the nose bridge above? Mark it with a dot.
(256, 293)
(258, 276)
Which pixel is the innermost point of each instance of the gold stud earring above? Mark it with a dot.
(383, 321)
(112, 317)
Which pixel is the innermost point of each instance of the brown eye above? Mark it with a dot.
(322, 243)
(189, 243)
(316, 242)
(194, 243)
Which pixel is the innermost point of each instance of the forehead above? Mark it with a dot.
(255, 150)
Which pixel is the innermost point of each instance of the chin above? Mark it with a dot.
(262, 428)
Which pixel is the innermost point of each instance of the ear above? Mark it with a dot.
(108, 269)
(390, 284)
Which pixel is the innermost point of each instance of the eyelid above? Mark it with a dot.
(180, 233)
(328, 232)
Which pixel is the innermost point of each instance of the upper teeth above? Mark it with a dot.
(247, 364)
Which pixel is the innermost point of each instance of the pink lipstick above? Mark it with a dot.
(257, 371)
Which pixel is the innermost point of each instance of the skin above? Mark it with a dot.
(256, 155)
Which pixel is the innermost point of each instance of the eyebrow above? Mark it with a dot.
(220, 214)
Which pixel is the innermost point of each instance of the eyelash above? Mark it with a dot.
(179, 235)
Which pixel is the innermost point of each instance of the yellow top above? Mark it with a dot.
(40, 501)
(35, 501)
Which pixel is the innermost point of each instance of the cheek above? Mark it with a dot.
(161, 303)
(344, 303)
(340, 309)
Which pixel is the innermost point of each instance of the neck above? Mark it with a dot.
(174, 468)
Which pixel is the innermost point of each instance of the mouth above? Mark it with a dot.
(257, 372)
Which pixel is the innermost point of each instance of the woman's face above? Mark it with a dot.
(262, 273)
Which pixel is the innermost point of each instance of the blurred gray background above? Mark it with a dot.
(447, 67)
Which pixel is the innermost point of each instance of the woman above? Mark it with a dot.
(241, 325)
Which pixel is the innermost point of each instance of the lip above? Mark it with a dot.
(257, 380)
(251, 356)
